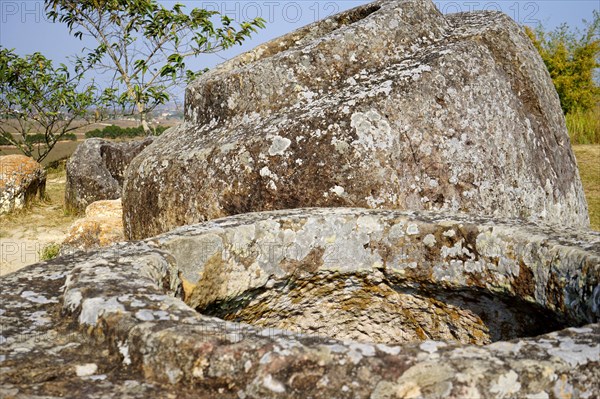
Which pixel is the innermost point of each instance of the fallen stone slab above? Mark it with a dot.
(391, 105)
(96, 171)
(202, 310)
(22, 180)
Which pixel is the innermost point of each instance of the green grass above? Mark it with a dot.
(584, 126)
(50, 251)
(588, 159)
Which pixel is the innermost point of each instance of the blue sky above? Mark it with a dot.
(23, 24)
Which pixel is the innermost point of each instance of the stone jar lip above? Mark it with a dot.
(128, 294)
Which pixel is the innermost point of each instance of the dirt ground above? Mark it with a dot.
(24, 234)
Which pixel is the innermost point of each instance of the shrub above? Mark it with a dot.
(572, 59)
(115, 132)
(50, 251)
(41, 138)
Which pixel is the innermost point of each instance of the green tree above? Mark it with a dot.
(572, 58)
(41, 104)
(145, 45)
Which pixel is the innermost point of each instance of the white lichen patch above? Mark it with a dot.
(432, 346)
(457, 250)
(231, 103)
(449, 233)
(40, 318)
(72, 299)
(373, 130)
(390, 350)
(506, 347)
(490, 245)
(124, 351)
(374, 202)
(429, 240)
(85, 370)
(337, 190)
(507, 385)
(144, 315)
(575, 354)
(93, 308)
(272, 384)
(537, 395)
(266, 172)
(279, 145)
(412, 229)
(36, 298)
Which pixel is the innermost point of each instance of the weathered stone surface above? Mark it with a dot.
(22, 179)
(391, 105)
(112, 322)
(101, 227)
(335, 302)
(96, 170)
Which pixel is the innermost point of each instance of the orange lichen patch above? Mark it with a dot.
(188, 288)
(16, 168)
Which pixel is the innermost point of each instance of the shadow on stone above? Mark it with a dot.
(386, 311)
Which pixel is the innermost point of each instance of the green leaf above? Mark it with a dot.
(155, 38)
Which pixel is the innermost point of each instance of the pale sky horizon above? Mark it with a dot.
(24, 27)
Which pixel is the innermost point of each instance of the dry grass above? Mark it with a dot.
(82, 127)
(28, 236)
(46, 216)
(588, 159)
(62, 150)
(584, 126)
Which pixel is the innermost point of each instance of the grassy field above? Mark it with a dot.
(83, 127)
(588, 159)
(584, 126)
(62, 150)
